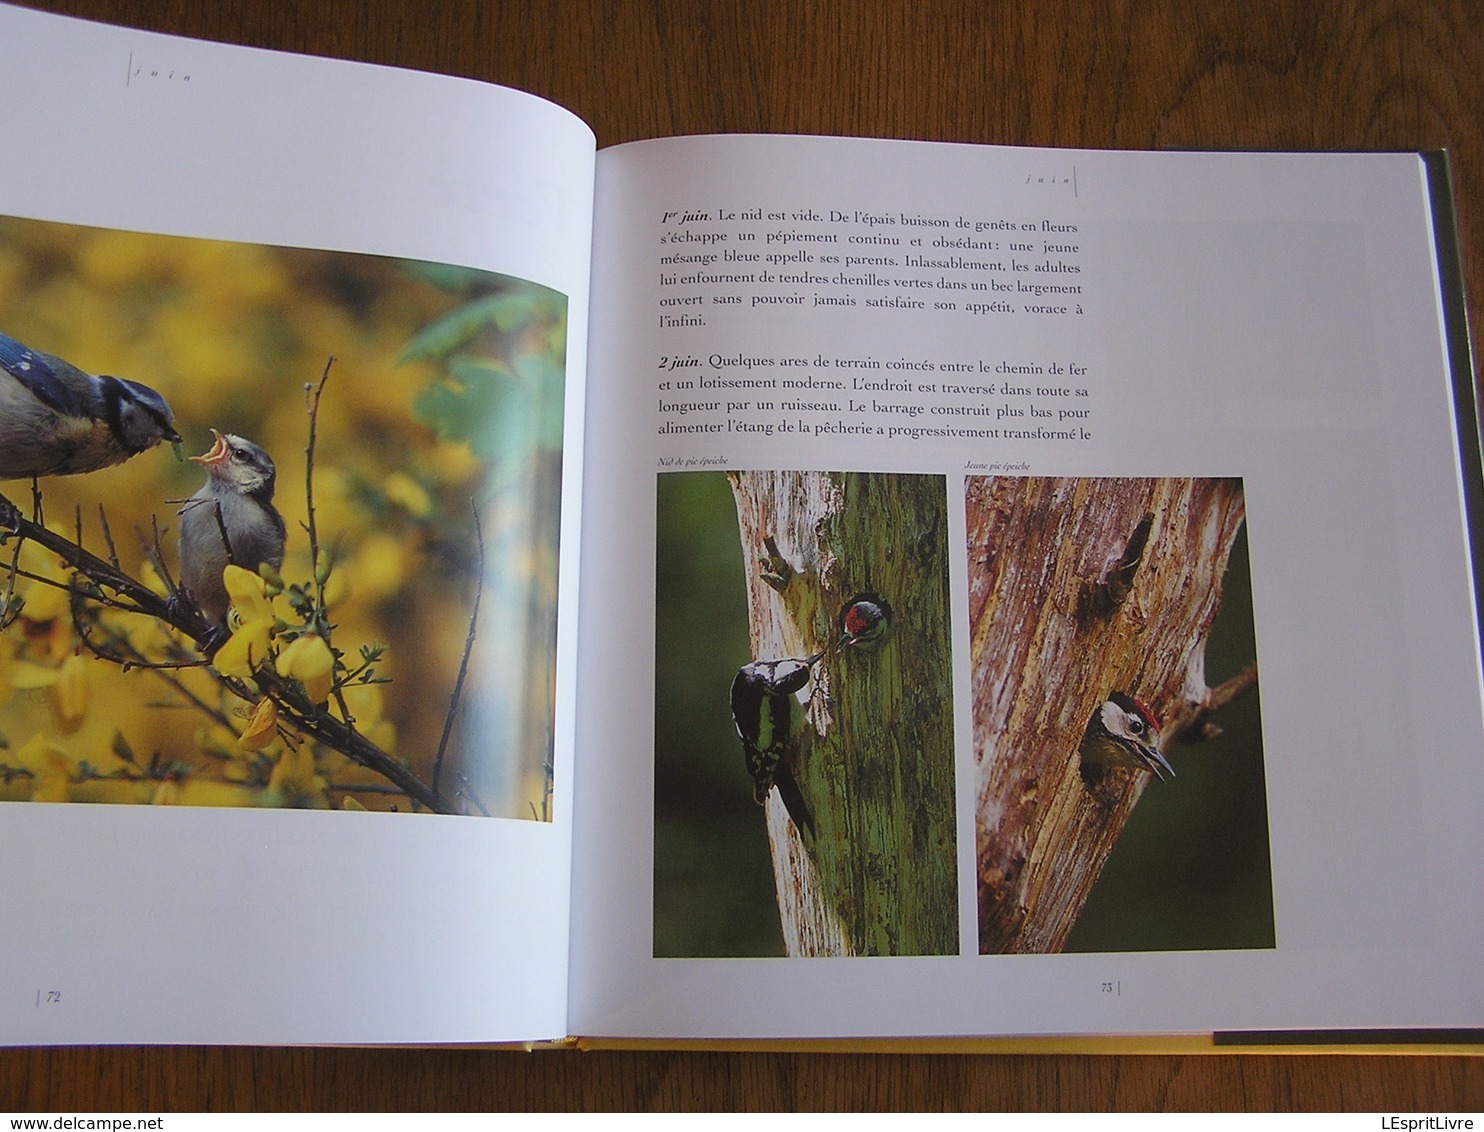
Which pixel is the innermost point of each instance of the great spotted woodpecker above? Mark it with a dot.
(767, 713)
(865, 623)
(1123, 732)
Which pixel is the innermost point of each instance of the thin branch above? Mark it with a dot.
(305, 716)
(1192, 723)
(107, 652)
(458, 684)
(318, 724)
(113, 554)
(312, 395)
(195, 701)
(158, 556)
(7, 615)
(221, 526)
(467, 790)
(104, 574)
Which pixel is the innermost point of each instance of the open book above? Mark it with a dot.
(728, 587)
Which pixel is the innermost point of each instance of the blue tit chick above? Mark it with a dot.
(56, 420)
(231, 519)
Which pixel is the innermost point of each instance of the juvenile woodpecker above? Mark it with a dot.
(865, 623)
(1123, 732)
(56, 420)
(236, 501)
(766, 712)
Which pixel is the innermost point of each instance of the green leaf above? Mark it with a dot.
(449, 277)
(547, 378)
(489, 408)
(121, 749)
(459, 326)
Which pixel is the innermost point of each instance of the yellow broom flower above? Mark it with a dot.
(245, 650)
(262, 728)
(295, 781)
(308, 660)
(248, 646)
(50, 766)
(69, 695)
(247, 593)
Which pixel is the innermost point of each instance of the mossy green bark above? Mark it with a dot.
(876, 763)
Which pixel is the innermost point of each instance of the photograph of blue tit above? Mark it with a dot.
(230, 519)
(278, 526)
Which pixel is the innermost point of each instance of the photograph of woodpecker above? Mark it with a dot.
(278, 526)
(804, 774)
(1114, 663)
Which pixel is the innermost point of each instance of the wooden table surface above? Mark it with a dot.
(1370, 74)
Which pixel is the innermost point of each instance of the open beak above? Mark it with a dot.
(216, 454)
(1156, 762)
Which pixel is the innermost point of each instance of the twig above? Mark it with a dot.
(9, 525)
(1192, 723)
(158, 557)
(221, 526)
(102, 573)
(467, 790)
(458, 684)
(312, 395)
(195, 701)
(306, 717)
(317, 724)
(113, 554)
(7, 615)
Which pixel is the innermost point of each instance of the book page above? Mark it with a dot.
(1026, 593)
(304, 670)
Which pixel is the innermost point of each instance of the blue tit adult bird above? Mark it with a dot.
(231, 519)
(56, 420)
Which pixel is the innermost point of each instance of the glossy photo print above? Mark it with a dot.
(804, 769)
(1113, 663)
(278, 527)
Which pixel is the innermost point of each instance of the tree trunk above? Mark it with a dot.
(1077, 588)
(875, 762)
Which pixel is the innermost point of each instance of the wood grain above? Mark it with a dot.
(1043, 651)
(1132, 74)
(155, 1080)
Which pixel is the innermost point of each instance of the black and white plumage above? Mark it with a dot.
(768, 715)
(1123, 732)
(56, 420)
(236, 500)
